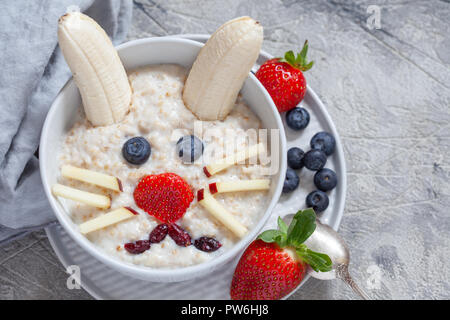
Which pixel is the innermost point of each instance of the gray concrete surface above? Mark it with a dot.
(388, 92)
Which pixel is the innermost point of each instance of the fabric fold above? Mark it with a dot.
(33, 74)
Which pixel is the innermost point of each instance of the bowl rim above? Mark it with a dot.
(149, 273)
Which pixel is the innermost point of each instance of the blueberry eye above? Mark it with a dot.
(137, 150)
(189, 148)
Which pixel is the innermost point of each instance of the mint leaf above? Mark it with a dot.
(320, 262)
(282, 225)
(270, 235)
(302, 226)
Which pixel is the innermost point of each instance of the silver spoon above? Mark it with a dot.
(326, 240)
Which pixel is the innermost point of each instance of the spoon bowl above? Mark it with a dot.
(325, 239)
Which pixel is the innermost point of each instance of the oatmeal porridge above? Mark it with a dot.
(159, 115)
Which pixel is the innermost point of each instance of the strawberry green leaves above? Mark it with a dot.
(301, 228)
(289, 57)
(271, 236)
(300, 62)
(320, 262)
(279, 236)
(282, 225)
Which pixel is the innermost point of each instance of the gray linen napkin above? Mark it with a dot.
(33, 71)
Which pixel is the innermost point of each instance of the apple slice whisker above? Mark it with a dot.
(239, 185)
(233, 159)
(92, 177)
(107, 219)
(220, 213)
(91, 199)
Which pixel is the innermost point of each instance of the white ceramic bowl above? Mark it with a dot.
(61, 118)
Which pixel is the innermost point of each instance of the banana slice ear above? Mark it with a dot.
(96, 68)
(221, 68)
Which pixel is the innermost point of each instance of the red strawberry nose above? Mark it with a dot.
(164, 196)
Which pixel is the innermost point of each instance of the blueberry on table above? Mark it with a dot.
(136, 150)
(291, 182)
(325, 179)
(297, 118)
(295, 158)
(315, 159)
(323, 141)
(189, 148)
(318, 200)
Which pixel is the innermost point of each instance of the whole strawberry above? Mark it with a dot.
(275, 264)
(165, 196)
(283, 78)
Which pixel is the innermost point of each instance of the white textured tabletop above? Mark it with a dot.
(388, 92)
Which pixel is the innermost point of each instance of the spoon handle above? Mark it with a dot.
(343, 274)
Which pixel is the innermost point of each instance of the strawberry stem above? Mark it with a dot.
(302, 226)
(300, 62)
